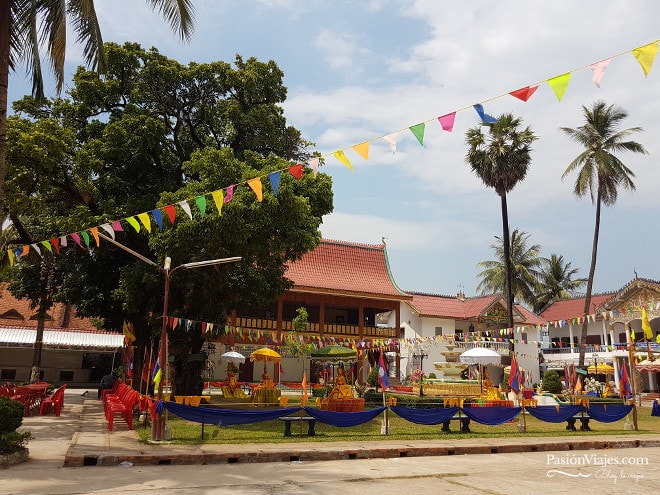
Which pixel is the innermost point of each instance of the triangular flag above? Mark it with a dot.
(218, 198)
(447, 121)
(485, 118)
(85, 237)
(109, 230)
(297, 170)
(47, 245)
(255, 185)
(559, 84)
(598, 70)
(274, 178)
(362, 149)
(391, 140)
(341, 156)
(230, 193)
(116, 225)
(63, 241)
(76, 238)
(134, 223)
(645, 56)
(146, 221)
(95, 234)
(201, 204)
(158, 217)
(186, 207)
(314, 163)
(10, 254)
(525, 93)
(56, 244)
(37, 249)
(170, 210)
(418, 132)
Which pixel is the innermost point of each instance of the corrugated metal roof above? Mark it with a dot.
(61, 339)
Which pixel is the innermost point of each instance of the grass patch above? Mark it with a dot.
(187, 432)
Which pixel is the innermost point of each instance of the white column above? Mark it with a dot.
(570, 334)
(604, 333)
(615, 364)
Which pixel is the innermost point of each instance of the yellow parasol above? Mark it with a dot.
(601, 369)
(265, 354)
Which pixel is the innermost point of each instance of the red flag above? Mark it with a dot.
(514, 375)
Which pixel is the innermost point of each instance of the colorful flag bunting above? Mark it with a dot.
(559, 84)
(447, 121)
(341, 156)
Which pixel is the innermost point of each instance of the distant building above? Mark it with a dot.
(74, 352)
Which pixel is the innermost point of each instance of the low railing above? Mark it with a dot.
(314, 328)
(498, 346)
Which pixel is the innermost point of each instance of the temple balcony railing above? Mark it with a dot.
(334, 329)
(496, 346)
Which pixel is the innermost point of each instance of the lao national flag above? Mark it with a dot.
(382, 373)
(514, 376)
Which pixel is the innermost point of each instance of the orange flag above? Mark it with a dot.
(305, 396)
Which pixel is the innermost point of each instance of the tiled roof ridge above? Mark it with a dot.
(353, 244)
(430, 294)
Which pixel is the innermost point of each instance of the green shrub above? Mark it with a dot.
(372, 377)
(432, 376)
(11, 418)
(321, 391)
(552, 382)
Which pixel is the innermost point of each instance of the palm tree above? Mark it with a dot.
(556, 281)
(501, 160)
(600, 173)
(525, 263)
(25, 24)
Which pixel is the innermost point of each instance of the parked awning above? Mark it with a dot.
(61, 339)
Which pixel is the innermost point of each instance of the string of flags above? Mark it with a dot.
(645, 56)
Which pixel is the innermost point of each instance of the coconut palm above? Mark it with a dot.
(525, 264)
(600, 173)
(24, 25)
(501, 160)
(556, 281)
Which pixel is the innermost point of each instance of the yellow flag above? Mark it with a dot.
(341, 156)
(255, 184)
(559, 84)
(128, 332)
(645, 56)
(646, 326)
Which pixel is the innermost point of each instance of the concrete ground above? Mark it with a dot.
(75, 454)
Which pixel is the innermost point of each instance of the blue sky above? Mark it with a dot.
(360, 70)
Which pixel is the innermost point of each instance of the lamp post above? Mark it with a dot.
(158, 425)
(595, 356)
(420, 354)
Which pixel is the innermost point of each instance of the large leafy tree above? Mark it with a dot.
(501, 159)
(525, 264)
(152, 133)
(600, 173)
(25, 26)
(556, 281)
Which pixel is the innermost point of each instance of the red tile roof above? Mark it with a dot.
(432, 305)
(16, 312)
(567, 309)
(345, 268)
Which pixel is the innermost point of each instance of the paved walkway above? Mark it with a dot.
(79, 437)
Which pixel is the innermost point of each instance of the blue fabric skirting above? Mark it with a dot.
(491, 415)
(433, 416)
(343, 418)
(605, 413)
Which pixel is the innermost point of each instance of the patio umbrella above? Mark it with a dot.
(334, 353)
(605, 369)
(266, 355)
(233, 357)
(481, 356)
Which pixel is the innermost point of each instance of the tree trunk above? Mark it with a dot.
(506, 242)
(5, 31)
(590, 283)
(38, 346)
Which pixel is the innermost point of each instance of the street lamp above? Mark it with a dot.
(420, 354)
(595, 356)
(158, 425)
